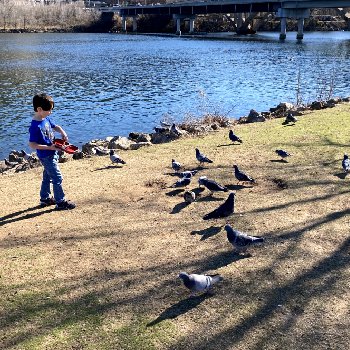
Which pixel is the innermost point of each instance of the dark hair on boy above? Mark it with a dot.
(44, 101)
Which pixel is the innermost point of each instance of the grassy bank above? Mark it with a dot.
(104, 276)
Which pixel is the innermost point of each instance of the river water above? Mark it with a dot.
(109, 84)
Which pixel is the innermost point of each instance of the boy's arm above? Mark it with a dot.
(62, 132)
(35, 145)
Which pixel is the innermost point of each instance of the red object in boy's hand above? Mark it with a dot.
(65, 146)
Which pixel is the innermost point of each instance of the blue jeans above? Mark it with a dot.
(51, 174)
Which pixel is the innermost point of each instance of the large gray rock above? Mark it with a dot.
(143, 138)
(87, 148)
(254, 117)
(120, 142)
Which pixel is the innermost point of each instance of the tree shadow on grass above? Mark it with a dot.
(179, 308)
(207, 232)
(16, 216)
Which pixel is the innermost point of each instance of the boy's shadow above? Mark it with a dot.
(13, 217)
(179, 308)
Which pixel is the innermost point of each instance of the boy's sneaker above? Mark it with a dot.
(65, 205)
(46, 202)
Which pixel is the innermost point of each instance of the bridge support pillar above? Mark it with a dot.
(134, 24)
(297, 13)
(192, 24)
(283, 33)
(300, 34)
(123, 24)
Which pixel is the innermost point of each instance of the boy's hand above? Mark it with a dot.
(65, 137)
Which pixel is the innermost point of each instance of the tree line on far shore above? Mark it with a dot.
(27, 15)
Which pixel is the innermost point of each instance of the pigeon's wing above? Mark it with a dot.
(201, 282)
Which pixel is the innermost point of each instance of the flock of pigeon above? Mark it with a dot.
(239, 240)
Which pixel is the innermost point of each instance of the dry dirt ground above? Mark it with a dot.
(104, 276)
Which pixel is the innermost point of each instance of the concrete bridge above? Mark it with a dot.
(295, 9)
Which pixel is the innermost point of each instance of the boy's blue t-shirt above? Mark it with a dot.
(41, 132)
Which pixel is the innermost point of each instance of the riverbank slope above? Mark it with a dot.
(104, 276)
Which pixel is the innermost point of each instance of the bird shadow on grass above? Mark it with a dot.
(16, 216)
(109, 167)
(175, 192)
(229, 144)
(179, 308)
(278, 161)
(178, 207)
(341, 175)
(207, 232)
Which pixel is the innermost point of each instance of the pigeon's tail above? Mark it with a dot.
(122, 161)
(226, 189)
(208, 160)
(216, 278)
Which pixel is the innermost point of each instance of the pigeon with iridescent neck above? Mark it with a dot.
(282, 153)
(115, 159)
(241, 241)
(211, 185)
(199, 283)
(233, 137)
(202, 158)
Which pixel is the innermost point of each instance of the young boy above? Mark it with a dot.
(41, 135)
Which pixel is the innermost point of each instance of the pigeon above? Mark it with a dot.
(202, 158)
(175, 130)
(282, 153)
(10, 164)
(241, 176)
(346, 163)
(240, 240)
(199, 283)
(115, 158)
(188, 173)
(225, 209)
(183, 182)
(28, 157)
(290, 118)
(189, 196)
(175, 165)
(233, 137)
(211, 185)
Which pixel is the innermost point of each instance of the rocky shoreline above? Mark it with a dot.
(19, 161)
